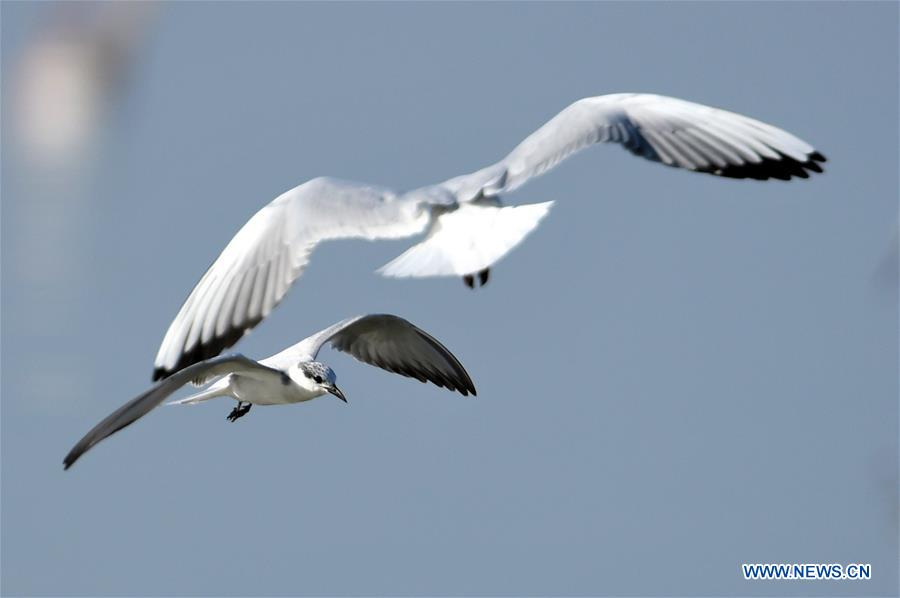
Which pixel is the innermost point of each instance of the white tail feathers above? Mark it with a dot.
(467, 240)
(219, 389)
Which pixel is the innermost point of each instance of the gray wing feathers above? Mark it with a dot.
(394, 344)
(388, 342)
(144, 403)
(668, 130)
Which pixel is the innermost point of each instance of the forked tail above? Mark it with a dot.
(468, 241)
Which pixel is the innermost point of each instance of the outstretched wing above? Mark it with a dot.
(138, 407)
(388, 342)
(663, 129)
(268, 254)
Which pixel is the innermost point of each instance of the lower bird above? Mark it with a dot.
(294, 375)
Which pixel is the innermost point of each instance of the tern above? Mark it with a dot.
(294, 375)
(467, 228)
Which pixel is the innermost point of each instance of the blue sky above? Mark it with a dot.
(677, 374)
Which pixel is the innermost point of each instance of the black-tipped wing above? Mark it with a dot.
(138, 407)
(669, 130)
(388, 342)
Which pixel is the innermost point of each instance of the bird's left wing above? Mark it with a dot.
(663, 129)
(144, 403)
(258, 266)
(388, 342)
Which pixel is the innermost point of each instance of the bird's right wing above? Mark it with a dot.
(138, 407)
(388, 342)
(663, 129)
(268, 254)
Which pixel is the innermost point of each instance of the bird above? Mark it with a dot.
(466, 226)
(294, 375)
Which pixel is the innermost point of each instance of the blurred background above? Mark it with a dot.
(677, 374)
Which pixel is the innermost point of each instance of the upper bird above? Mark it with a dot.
(294, 375)
(468, 229)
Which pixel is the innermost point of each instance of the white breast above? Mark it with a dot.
(277, 391)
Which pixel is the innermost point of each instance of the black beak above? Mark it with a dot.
(336, 392)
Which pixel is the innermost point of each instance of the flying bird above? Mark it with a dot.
(294, 375)
(467, 228)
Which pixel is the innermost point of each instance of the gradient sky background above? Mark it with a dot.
(676, 373)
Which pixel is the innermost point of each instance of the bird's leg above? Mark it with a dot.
(239, 411)
(483, 276)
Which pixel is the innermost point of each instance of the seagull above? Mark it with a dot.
(294, 375)
(467, 228)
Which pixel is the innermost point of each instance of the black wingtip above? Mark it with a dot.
(783, 168)
(71, 458)
(203, 351)
(469, 280)
(457, 381)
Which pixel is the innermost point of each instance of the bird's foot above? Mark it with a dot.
(239, 411)
(483, 276)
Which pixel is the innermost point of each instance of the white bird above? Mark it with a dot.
(468, 228)
(294, 375)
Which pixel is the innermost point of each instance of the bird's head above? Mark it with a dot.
(319, 377)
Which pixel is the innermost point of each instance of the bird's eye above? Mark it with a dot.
(318, 379)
